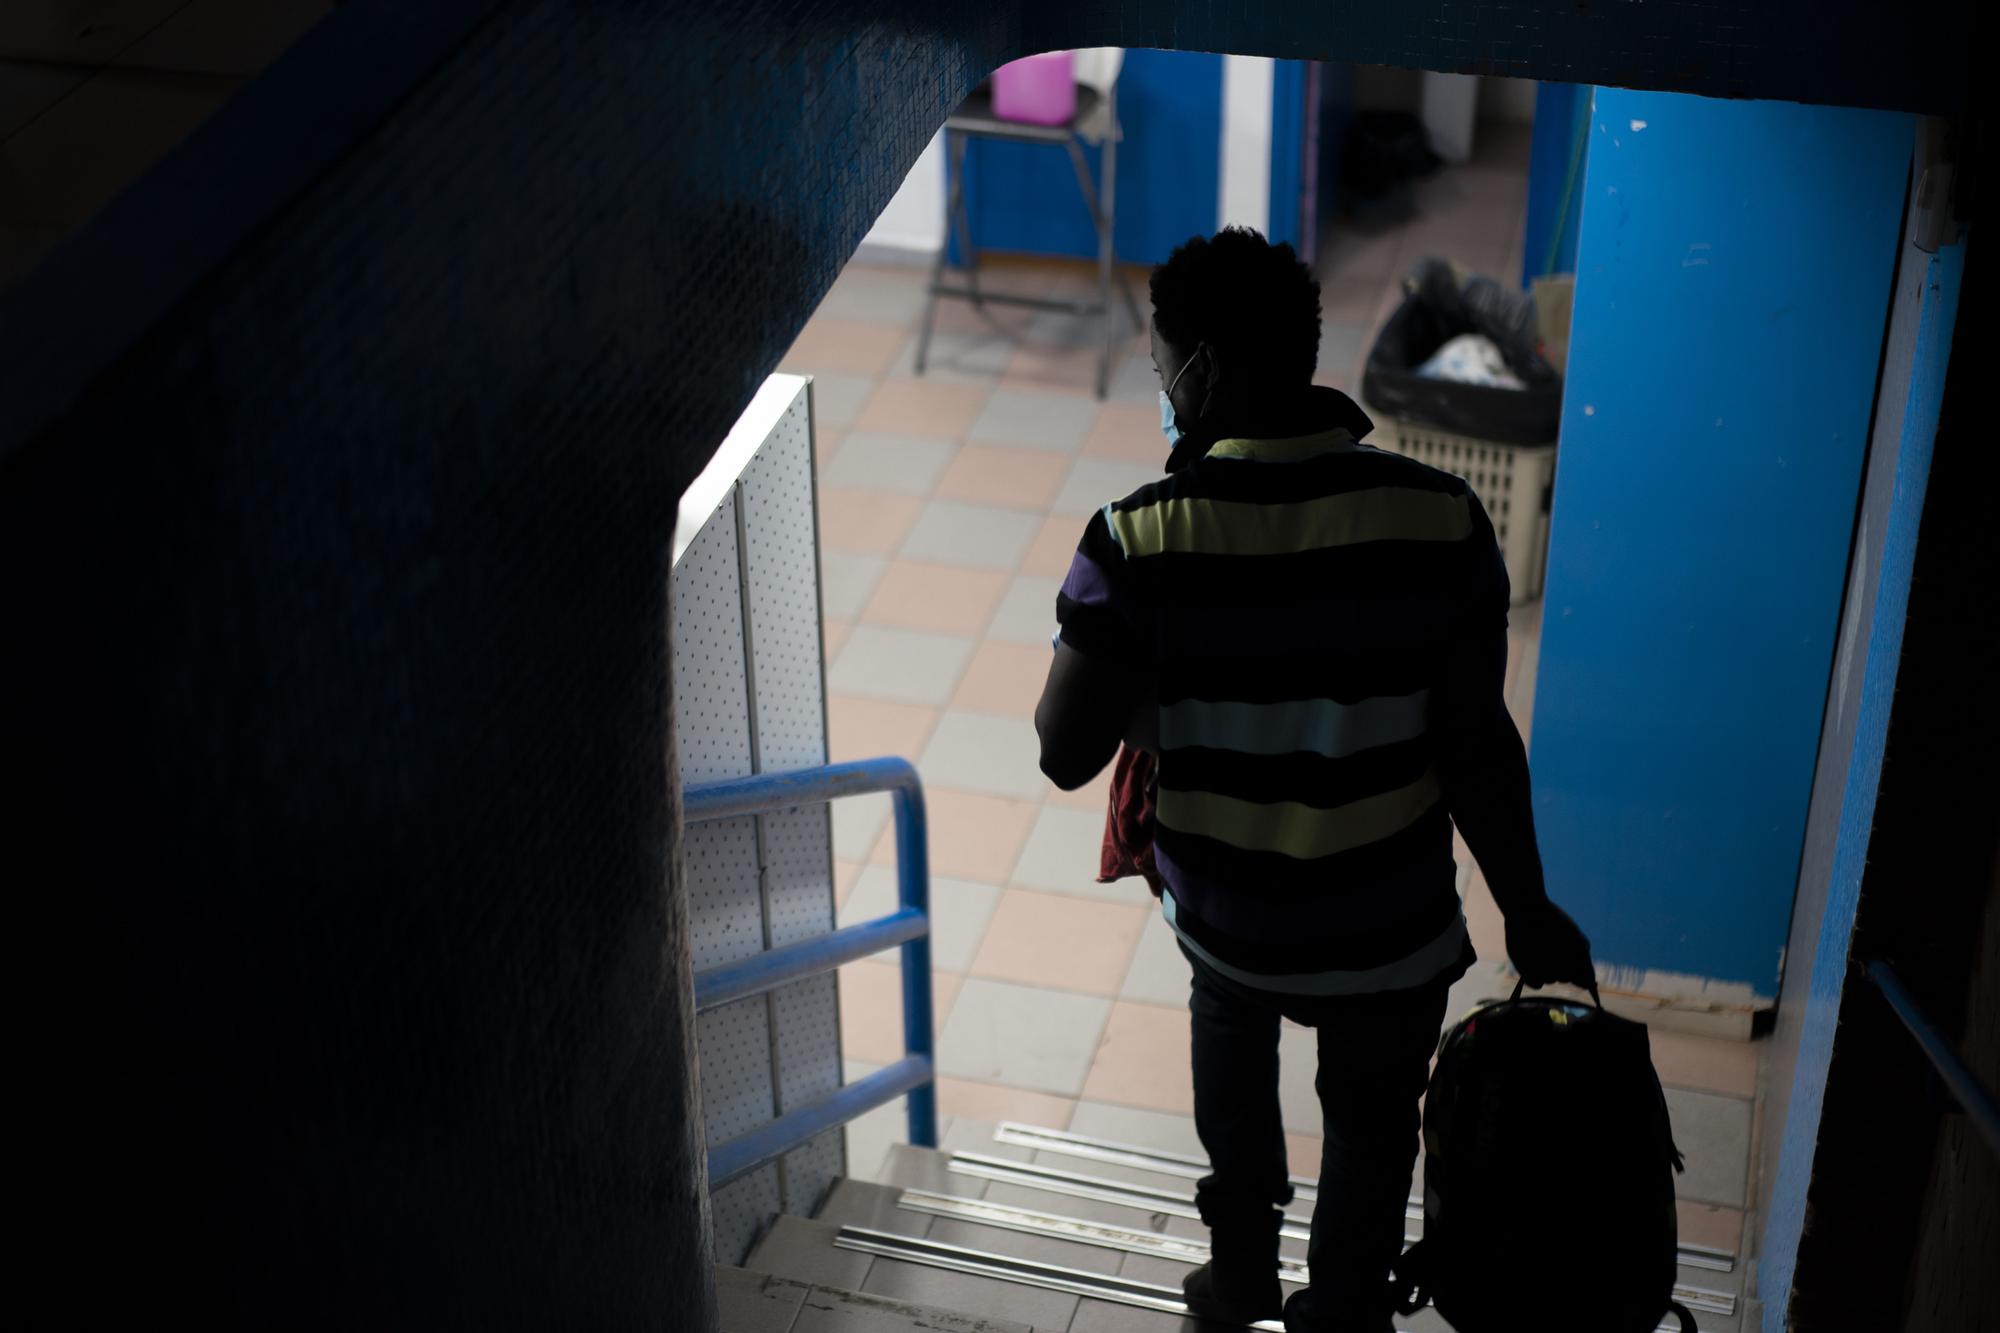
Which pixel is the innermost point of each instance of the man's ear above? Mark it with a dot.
(1212, 376)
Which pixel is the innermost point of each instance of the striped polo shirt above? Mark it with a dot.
(1300, 603)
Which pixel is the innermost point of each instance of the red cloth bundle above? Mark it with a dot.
(1128, 824)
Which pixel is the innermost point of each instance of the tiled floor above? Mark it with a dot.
(950, 504)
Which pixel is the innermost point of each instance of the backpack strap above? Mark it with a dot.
(1680, 1312)
(1595, 998)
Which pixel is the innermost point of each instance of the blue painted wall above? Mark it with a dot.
(1734, 270)
(1023, 197)
(1555, 178)
(1288, 144)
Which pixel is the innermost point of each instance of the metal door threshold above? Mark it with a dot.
(1157, 1245)
(1076, 1185)
(1028, 1273)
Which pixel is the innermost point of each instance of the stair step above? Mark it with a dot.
(1026, 1233)
(864, 1203)
(965, 1271)
(1130, 1159)
(754, 1302)
(1044, 1311)
(803, 1250)
(1175, 1200)
(946, 1262)
(1109, 1152)
(911, 1167)
(1100, 1236)
(881, 1208)
(757, 1302)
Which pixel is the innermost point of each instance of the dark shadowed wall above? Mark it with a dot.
(1874, 1186)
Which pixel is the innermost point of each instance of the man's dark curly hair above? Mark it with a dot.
(1255, 303)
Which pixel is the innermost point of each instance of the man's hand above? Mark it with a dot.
(1546, 946)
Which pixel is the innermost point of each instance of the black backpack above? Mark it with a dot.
(1546, 1136)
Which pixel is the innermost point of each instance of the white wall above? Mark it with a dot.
(1450, 109)
(911, 228)
(1244, 185)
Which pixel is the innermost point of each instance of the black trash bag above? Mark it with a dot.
(1441, 302)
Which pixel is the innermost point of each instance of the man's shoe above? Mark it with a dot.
(1305, 1314)
(1233, 1296)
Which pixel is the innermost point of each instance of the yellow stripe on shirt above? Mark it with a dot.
(1294, 450)
(1233, 527)
(1302, 832)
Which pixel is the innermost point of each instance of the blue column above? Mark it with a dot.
(1914, 370)
(1555, 179)
(1288, 143)
(1733, 276)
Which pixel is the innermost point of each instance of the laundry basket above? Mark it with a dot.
(1513, 481)
(1500, 439)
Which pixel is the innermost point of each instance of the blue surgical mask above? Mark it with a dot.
(1170, 425)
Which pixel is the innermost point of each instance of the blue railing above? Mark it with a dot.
(1964, 1087)
(908, 927)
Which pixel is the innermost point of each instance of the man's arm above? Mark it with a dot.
(1085, 711)
(1483, 768)
(1100, 670)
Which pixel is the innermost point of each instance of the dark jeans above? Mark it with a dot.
(1374, 1060)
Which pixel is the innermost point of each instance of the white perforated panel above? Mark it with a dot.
(809, 1066)
(711, 706)
(798, 861)
(743, 1208)
(808, 1040)
(735, 1069)
(735, 1055)
(725, 919)
(783, 563)
(711, 702)
(780, 513)
(768, 881)
(811, 1171)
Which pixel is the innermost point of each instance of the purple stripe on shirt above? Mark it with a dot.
(1088, 585)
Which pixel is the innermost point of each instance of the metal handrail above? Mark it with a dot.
(907, 928)
(1965, 1088)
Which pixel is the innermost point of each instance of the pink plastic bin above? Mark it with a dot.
(1039, 90)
